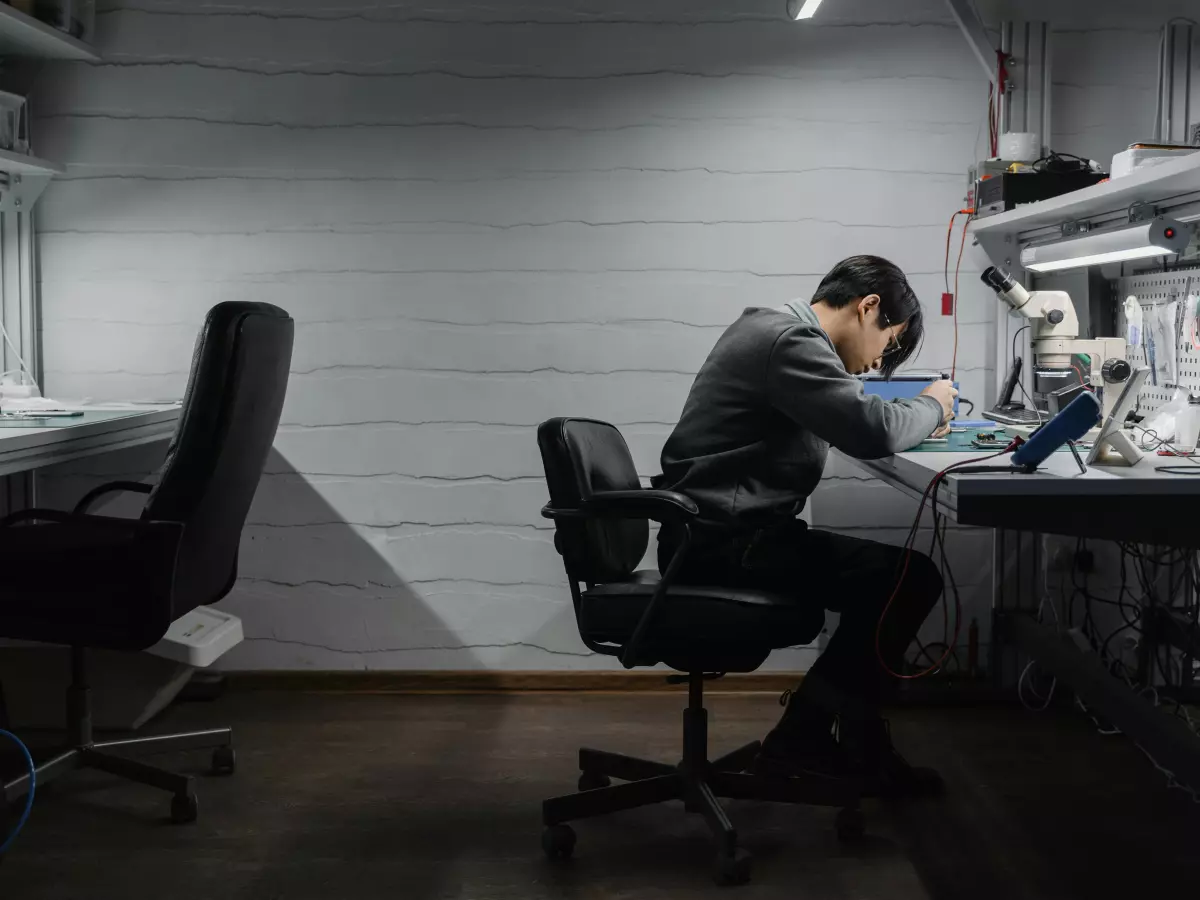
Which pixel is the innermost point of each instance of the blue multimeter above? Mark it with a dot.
(1072, 423)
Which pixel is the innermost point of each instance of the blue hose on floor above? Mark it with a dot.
(29, 797)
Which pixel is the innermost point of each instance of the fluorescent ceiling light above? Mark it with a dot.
(1144, 240)
(802, 9)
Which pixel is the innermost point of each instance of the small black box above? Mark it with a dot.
(1009, 190)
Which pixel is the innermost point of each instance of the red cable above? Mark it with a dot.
(961, 247)
(908, 549)
(946, 264)
(950, 234)
(991, 110)
(994, 94)
(1082, 380)
(946, 276)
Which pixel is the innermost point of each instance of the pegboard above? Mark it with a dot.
(1154, 290)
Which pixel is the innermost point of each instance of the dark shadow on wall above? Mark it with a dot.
(302, 569)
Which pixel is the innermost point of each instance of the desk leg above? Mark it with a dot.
(1017, 563)
(995, 654)
(18, 492)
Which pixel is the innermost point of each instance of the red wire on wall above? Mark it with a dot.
(961, 247)
(946, 273)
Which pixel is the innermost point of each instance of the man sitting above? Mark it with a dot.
(775, 393)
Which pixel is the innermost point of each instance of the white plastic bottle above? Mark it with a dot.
(1187, 426)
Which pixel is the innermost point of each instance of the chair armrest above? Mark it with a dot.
(112, 487)
(657, 505)
(661, 506)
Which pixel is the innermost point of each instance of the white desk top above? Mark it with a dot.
(34, 443)
(1130, 503)
(1059, 476)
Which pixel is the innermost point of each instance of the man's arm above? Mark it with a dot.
(807, 382)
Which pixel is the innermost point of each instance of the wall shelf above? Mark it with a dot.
(23, 35)
(1154, 184)
(24, 164)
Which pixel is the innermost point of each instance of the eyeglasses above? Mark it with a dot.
(894, 345)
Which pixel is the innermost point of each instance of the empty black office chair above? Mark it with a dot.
(600, 513)
(96, 581)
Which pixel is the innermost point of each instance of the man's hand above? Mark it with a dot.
(944, 428)
(944, 393)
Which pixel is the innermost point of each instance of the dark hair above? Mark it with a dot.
(855, 278)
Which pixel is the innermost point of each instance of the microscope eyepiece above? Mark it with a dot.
(998, 280)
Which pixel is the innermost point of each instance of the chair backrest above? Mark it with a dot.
(582, 456)
(226, 428)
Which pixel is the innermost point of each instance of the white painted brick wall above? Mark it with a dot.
(482, 216)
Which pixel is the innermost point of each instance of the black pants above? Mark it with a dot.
(847, 575)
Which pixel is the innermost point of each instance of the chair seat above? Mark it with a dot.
(712, 628)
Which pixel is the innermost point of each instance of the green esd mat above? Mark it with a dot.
(961, 443)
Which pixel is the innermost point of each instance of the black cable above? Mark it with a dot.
(903, 560)
(1014, 342)
(969, 403)
(1089, 622)
(946, 567)
(937, 549)
(933, 555)
(1132, 615)
(923, 650)
(1021, 381)
(1060, 162)
(1193, 469)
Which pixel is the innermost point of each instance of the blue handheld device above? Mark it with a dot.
(1070, 424)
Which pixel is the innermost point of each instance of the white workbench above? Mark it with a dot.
(32, 444)
(1135, 503)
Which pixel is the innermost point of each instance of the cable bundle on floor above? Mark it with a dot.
(24, 817)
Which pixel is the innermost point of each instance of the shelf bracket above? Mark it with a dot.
(976, 34)
(18, 193)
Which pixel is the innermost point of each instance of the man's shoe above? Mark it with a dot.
(788, 753)
(886, 773)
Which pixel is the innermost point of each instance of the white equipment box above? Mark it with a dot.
(200, 637)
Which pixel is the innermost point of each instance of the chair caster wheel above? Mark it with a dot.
(592, 781)
(224, 761)
(558, 841)
(732, 869)
(184, 809)
(851, 825)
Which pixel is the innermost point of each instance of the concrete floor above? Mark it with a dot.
(423, 797)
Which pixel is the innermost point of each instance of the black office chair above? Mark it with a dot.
(95, 581)
(600, 513)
